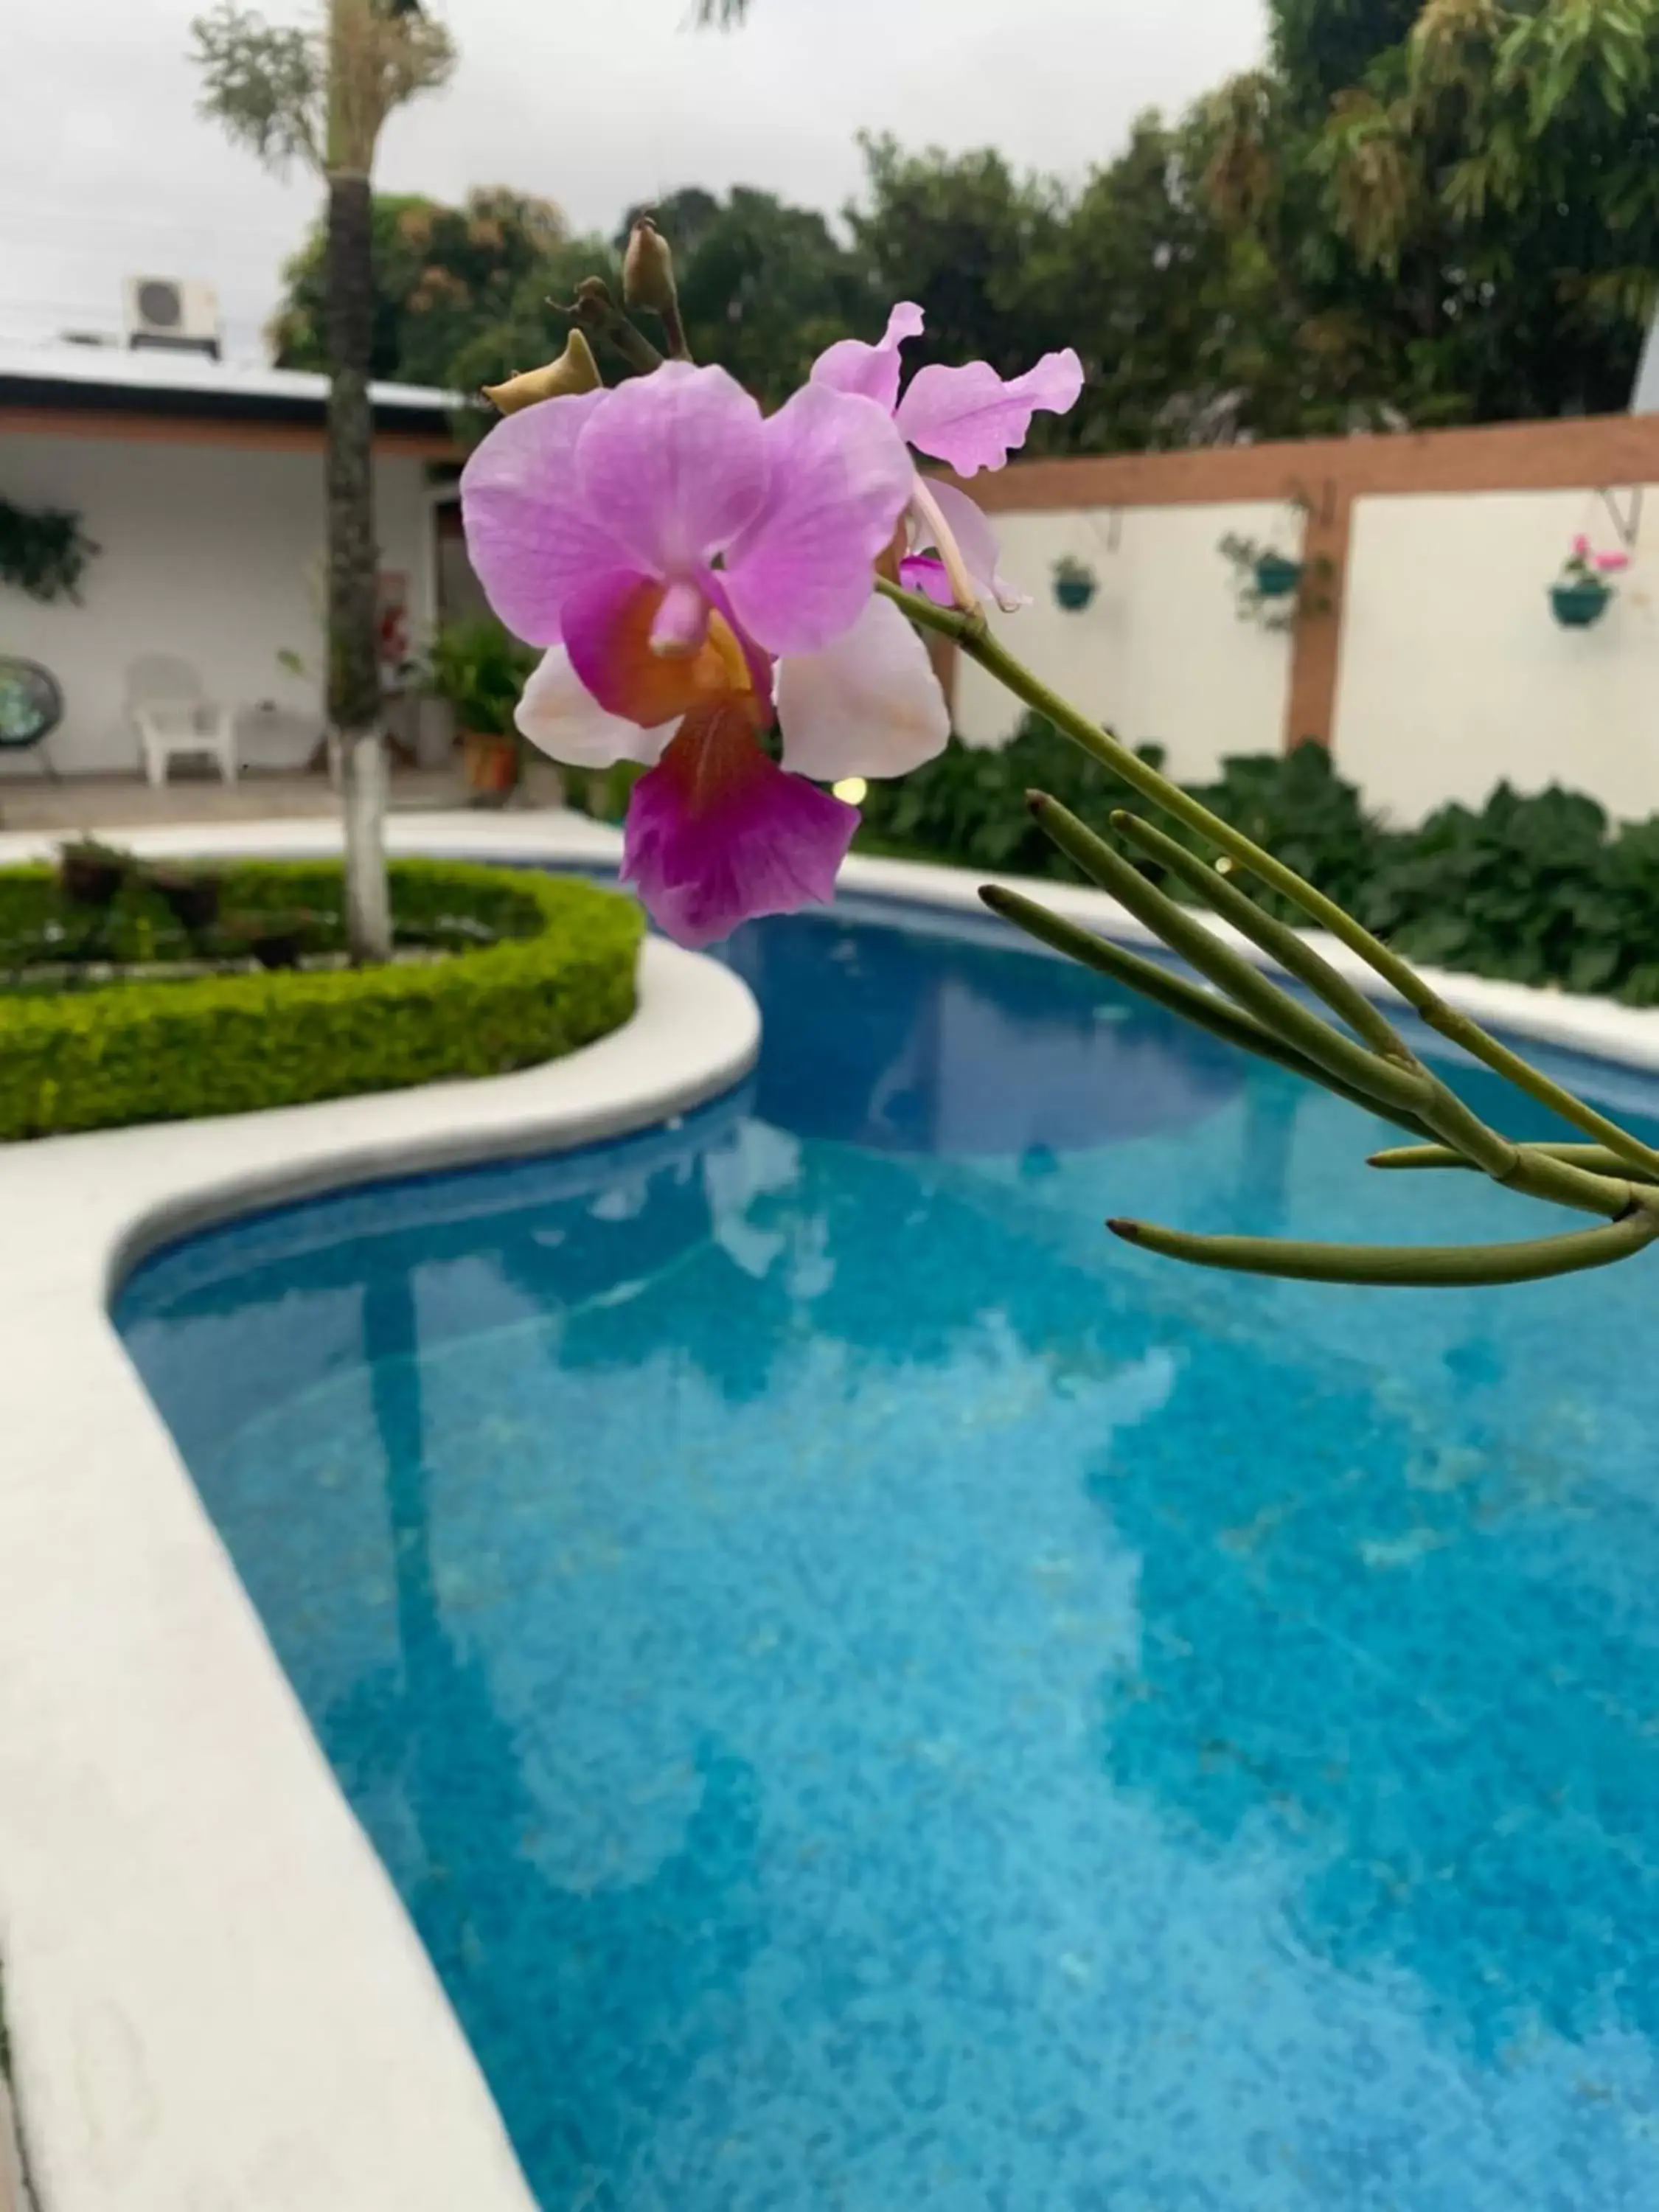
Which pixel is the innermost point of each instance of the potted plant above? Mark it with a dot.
(92, 874)
(1581, 595)
(1075, 583)
(1277, 575)
(481, 671)
(192, 899)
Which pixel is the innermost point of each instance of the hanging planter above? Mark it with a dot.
(1075, 585)
(1581, 595)
(1273, 592)
(1277, 576)
(1580, 606)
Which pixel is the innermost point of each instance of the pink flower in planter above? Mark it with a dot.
(1612, 564)
(971, 419)
(694, 569)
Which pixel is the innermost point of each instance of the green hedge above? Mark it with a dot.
(557, 972)
(1542, 890)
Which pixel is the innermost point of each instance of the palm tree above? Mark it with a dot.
(322, 96)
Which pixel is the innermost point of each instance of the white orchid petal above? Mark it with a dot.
(868, 705)
(562, 718)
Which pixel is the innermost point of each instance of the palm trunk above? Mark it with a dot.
(354, 673)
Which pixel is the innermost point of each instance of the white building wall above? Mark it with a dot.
(1161, 653)
(1455, 674)
(210, 555)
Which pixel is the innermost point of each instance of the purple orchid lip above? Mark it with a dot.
(717, 834)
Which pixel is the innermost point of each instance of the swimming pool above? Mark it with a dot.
(876, 1695)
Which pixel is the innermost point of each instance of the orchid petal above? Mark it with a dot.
(977, 542)
(869, 704)
(927, 573)
(840, 480)
(971, 419)
(717, 833)
(530, 536)
(675, 463)
(871, 372)
(560, 716)
(609, 624)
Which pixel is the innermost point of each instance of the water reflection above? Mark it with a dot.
(534, 1969)
(904, 1043)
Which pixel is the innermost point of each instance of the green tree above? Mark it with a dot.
(323, 96)
(440, 274)
(763, 287)
(1324, 47)
(1501, 162)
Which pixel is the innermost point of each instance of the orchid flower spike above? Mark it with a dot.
(970, 419)
(696, 571)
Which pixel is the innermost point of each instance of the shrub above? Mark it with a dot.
(550, 966)
(1518, 890)
(968, 806)
(1531, 890)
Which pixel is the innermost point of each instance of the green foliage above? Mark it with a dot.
(557, 973)
(1516, 891)
(1421, 212)
(44, 552)
(969, 805)
(482, 672)
(1536, 890)
(442, 275)
(263, 82)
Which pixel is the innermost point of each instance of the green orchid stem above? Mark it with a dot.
(1442, 1110)
(1292, 952)
(1244, 983)
(1402, 1266)
(973, 635)
(1202, 1008)
(1595, 1160)
(1411, 1089)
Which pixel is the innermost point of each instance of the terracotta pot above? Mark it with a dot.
(492, 763)
(91, 879)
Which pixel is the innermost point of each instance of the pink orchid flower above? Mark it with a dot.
(971, 419)
(695, 570)
(1612, 564)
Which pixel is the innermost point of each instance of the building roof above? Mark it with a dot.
(112, 380)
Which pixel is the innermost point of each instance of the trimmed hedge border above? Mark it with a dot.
(561, 975)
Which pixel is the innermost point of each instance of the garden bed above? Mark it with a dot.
(1542, 890)
(498, 970)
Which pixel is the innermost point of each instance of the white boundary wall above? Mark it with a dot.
(1455, 674)
(1160, 654)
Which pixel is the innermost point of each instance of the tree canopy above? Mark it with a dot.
(1412, 213)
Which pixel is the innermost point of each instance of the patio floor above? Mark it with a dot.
(79, 804)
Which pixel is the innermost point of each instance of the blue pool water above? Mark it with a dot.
(878, 1698)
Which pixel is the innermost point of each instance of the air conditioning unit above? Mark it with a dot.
(174, 317)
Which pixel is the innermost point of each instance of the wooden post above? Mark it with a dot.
(1317, 656)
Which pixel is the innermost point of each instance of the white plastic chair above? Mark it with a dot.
(175, 718)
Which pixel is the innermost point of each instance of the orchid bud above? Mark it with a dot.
(575, 370)
(648, 270)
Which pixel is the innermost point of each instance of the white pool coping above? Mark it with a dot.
(215, 1996)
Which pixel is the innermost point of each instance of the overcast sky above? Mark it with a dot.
(106, 170)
